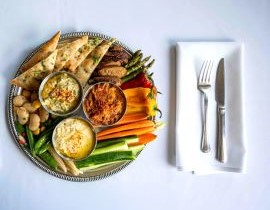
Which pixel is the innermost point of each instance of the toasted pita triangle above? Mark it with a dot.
(86, 68)
(43, 52)
(81, 54)
(67, 51)
(32, 78)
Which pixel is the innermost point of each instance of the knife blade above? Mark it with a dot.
(220, 99)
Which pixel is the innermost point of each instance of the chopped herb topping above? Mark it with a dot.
(96, 58)
(43, 64)
(36, 72)
(95, 41)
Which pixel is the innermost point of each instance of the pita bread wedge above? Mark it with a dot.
(32, 78)
(81, 54)
(43, 52)
(86, 68)
(67, 51)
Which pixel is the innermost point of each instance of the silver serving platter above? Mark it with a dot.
(93, 175)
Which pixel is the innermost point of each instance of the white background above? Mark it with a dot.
(151, 182)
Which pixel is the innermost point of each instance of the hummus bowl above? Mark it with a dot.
(74, 138)
(60, 93)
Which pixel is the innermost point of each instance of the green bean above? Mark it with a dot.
(40, 142)
(44, 148)
(19, 127)
(30, 138)
(47, 158)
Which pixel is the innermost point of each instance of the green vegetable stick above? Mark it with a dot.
(135, 59)
(30, 138)
(19, 127)
(150, 65)
(118, 146)
(109, 157)
(44, 148)
(139, 65)
(40, 142)
(132, 75)
(47, 158)
(135, 73)
(108, 142)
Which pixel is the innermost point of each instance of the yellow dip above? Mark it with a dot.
(74, 138)
(61, 93)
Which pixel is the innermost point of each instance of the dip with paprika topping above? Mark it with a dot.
(74, 138)
(61, 93)
(104, 104)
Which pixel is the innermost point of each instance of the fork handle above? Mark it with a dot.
(205, 147)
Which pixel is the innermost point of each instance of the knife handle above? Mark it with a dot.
(221, 144)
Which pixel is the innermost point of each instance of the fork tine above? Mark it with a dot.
(209, 71)
(205, 71)
(202, 71)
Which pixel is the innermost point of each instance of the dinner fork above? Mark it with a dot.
(204, 86)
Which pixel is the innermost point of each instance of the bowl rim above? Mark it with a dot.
(86, 94)
(92, 128)
(44, 81)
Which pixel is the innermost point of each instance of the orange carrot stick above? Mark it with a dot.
(130, 126)
(128, 118)
(137, 131)
(144, 139)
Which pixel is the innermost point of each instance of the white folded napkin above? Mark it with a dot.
(190, 56)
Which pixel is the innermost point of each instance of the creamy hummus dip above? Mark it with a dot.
(61, 93)
(74, 138)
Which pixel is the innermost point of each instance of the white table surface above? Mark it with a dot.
(152, 181)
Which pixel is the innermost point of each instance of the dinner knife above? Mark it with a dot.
(220, 99)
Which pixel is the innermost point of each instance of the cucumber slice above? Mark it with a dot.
(121, 146)
(98, 166)
(134, 149)
(127, 139)
(109, 157)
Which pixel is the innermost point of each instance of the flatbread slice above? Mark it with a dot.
(32, 78)
(43, 52)
(86, 68)
(81, 54)
(67, 51)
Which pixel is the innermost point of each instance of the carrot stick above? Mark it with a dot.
(130, 126)
(137, 131)
(144, 139)
(128, 118)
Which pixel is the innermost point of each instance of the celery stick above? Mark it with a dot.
(127, 139)
(99, 165)
(136, 149)
(120, 146)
